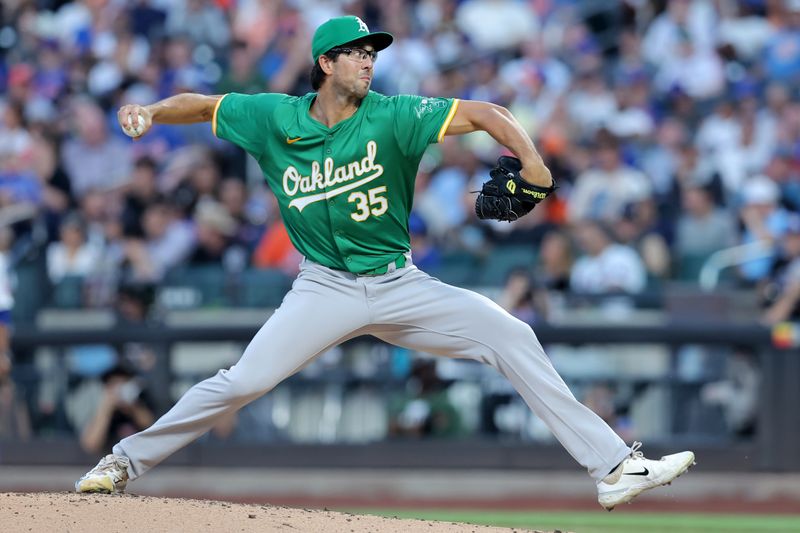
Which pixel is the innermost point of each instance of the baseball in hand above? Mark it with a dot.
(134, 130)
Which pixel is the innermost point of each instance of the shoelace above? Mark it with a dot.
(104, 465)
(635, 453)
(107, 464)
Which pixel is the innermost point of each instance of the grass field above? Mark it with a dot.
(602, 522)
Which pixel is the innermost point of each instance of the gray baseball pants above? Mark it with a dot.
(405, 307)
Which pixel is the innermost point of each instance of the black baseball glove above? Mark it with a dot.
(506, 196)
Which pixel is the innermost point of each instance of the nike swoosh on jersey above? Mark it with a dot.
(644, 472)
(301, 203)
(292, 141)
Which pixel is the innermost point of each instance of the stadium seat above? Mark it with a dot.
(30, 291)
(504, 259)
(68, 293)
(263, 288)
(209, 281)
(456, 268)
(689, 266)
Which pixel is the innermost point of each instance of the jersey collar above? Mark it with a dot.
(319, 125)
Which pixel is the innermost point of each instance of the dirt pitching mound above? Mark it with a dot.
(68, 512)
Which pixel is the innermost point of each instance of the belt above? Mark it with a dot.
(399, 262)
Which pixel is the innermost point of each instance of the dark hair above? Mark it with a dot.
(318, 75)
(146, 162)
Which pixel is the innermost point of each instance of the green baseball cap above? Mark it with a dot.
(342, 30)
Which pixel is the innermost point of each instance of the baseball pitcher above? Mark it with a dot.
(342, 162)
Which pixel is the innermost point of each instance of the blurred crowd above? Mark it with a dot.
(671, 126)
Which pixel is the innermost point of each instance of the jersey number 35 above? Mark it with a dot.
(368, 204)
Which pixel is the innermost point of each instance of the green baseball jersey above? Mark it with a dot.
(345, 193)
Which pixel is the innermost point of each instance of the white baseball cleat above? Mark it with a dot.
(637, 474)
(110, 475)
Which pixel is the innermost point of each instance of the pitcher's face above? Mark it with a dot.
(353, 70)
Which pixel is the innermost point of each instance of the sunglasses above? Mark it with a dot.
(358, 54)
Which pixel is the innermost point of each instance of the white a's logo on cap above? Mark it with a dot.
(362, 26)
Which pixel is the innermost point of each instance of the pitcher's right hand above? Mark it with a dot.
(135, 120)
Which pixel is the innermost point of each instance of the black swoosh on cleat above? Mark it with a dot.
(644, 472)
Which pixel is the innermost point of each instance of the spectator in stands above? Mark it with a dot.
(134, 301)
(20, 189)
(202, 20)
(591, 104)
(743, 29)
(603, 190)
(606, 267)
(15, 139)
(72, 255)
(479, 20)
(425, 410)
(781, 169)
(523, 298)
(781, 293)
(630, 64)
(660, 159)
(412, 61)
(123, 409)
(96, 210)
(702, 228)
(764, 221)
(247, 209)
(148, 18)
(555, 261)
(168, 240)
(536, 57)
(690, 20)
(200, 182)
(94, 159)
(745, 149)
(632, 119)
(693, 170)
(696, 71)
(638, 227)
(718, 142)
(215, 244)
(180, 69)
(142, 191)
(242, 75)
(782, 52)
(448, 43)
(56, 184)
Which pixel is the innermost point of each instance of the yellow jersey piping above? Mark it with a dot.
(214, 115)
(448, 120)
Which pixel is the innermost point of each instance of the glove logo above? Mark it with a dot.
(536, 194)
(506, 196)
